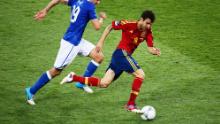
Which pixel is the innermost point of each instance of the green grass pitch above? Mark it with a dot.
(183, 84)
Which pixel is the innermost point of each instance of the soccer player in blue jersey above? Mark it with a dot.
(72, 44)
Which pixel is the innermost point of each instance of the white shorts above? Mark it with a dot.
(68, 52)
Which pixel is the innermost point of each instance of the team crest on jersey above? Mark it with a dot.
(135, 40)
(117, 23)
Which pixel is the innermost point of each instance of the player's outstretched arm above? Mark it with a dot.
(97, 23)
(42, 13)
(154, 51)
(103, 37)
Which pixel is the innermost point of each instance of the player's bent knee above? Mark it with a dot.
(55, 72)
(99, 58)
(141, 75)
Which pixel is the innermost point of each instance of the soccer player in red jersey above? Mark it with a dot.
(133, 33)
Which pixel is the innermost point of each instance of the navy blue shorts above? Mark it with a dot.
(121, 62)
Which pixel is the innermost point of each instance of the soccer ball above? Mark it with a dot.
(149, 112)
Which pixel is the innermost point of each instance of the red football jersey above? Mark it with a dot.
(131, 36)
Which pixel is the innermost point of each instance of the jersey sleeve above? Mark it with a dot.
(149, 39)
(124, 25)
(70, 2)
(92, 13)
(119, 25)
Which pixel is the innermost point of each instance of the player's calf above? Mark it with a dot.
(135, 91)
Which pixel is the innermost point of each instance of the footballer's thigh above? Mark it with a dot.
(88, 49)
(108, 78)
(66, 54)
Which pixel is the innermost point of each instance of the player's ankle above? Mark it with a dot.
(130, 103)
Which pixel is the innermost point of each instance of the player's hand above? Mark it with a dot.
(157, 51)
(40, 15)
(102, 15)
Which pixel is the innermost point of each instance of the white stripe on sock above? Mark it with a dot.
(95, 63)
(48, 75)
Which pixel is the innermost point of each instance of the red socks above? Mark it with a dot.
(91, 81)
(135, 90)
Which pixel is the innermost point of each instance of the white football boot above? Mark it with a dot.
(87, 89)
(68, 78)
(29, 96)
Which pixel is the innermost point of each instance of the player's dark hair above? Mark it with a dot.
(148, 14)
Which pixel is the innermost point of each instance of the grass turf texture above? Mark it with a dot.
(182, 84)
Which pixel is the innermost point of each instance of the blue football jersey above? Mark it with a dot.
(81, 12)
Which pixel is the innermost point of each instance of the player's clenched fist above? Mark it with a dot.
(102, 15)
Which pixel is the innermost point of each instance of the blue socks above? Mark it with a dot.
(91, 68)
(44, 79)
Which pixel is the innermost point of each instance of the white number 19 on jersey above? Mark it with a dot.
(75, 13)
